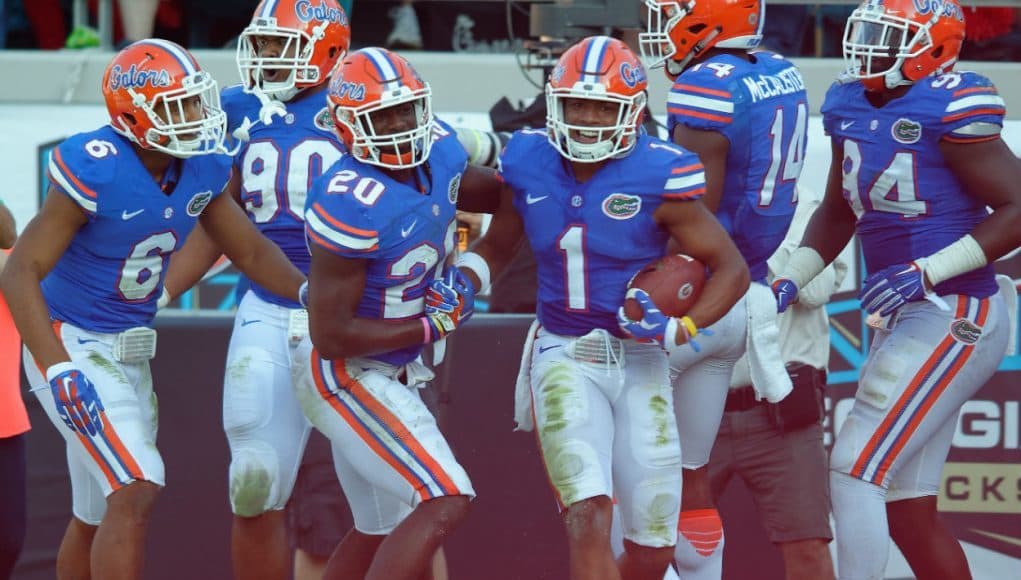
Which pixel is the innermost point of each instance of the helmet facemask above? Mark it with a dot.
(400, 150)
(171, 131)
(295, 56)
(599, 142)
(877, 45)
(655, 43)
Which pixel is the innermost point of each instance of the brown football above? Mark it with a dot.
(673, 283)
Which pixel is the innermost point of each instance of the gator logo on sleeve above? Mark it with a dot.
(620, 206)
(324, 121)
(453, 188)
(198, 202)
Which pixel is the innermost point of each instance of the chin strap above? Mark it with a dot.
(270, 107)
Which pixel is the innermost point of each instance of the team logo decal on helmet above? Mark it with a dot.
(328, 11)
(133, 78)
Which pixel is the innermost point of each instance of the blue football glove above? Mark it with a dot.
(655, 326)
(786, 292)
(892, 287)
(449, 303)
(78, 404)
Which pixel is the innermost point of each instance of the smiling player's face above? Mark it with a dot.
(590, 113)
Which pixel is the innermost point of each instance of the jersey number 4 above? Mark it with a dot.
(893, 191)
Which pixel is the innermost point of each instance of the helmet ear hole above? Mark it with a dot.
(937, 52)
(130, 118)
(697, 28)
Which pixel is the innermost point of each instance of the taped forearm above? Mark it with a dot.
(962, 256)
(805, 264)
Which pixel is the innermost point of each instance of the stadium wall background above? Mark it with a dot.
(514, 531)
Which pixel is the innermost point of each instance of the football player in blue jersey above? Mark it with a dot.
(285, 56)
(380, 225)
(86, 276)
(598, 199)
(920, 173)
(745, 113)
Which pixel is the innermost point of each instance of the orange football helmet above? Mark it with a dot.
(678, 31)
(889, 43)
(597, 68)
(159, 98)
(313, 37)
(372, 80)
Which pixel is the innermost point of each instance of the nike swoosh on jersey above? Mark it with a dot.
(530, 200)
(405, 232)
(543, 349)
(247, 322)
(86, 340)
(126, 216)
(845, 124)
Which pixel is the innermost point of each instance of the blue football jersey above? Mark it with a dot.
(762, 109)
(278, 165)
(111, 274)
(590, 238)
(908, 202)
(356, 211)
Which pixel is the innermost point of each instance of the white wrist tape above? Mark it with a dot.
(670, 335)
(803, 266)
(58, 368)
(962, 256)
(477, 264)
(163, 300)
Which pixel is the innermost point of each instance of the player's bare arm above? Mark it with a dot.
(41, 245)
(992, 174)
(500, 242)
(198, 254)
(480, 190)
(255, 255)
(702, 237)
(336, 285)
(712, 148)
(832, 225)
(8, 230)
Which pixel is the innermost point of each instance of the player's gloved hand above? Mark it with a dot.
(892, 287)
(449, 303)
(303, 295)
(786, 292)
(78, 404)
(654, 326)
